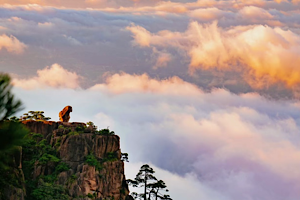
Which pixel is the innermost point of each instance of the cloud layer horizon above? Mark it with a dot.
(205, 91)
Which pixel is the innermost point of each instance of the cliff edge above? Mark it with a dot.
(72, 161)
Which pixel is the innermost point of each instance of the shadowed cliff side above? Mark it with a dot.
(74, 160)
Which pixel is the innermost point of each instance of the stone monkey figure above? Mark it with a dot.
(64, 115)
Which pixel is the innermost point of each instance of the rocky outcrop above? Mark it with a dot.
(95, 169)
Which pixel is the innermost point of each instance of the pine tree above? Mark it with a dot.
(11, 132)
(152, 187)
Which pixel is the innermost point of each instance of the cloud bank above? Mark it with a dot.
(253, 46)
(229, 146)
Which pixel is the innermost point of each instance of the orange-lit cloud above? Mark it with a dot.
(262, 50)
(11, 44)
(55, 76)
(141, 35)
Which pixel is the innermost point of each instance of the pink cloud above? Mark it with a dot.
(11, 44)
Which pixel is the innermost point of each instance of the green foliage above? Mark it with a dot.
(8, 104)
(50, 178)
(46, 153)
(49, 191)
(105, 131)
(11, 135)
(35, 115)
(37, 149)
(92, 161)
(91, 124)
(9, 176)
(57, 143)
(110, 157)
(72, 178)
(14, 119)
(45, 148)
(36, 135)
(73, 133)
(79, 129)
(45, 158)
(61, 167)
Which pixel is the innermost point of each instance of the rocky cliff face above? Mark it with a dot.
(83, 163)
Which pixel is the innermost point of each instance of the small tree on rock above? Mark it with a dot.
(35, 115)
(152, 187)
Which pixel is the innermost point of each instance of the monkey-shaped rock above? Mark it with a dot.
(64, 115)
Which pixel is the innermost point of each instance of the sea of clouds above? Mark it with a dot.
(205, 91)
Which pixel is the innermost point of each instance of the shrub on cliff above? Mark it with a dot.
(92, 161)
(105, 131)
(49, 191)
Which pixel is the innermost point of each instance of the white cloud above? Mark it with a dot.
(55, 76)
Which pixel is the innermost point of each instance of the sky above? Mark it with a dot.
(206, 92)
